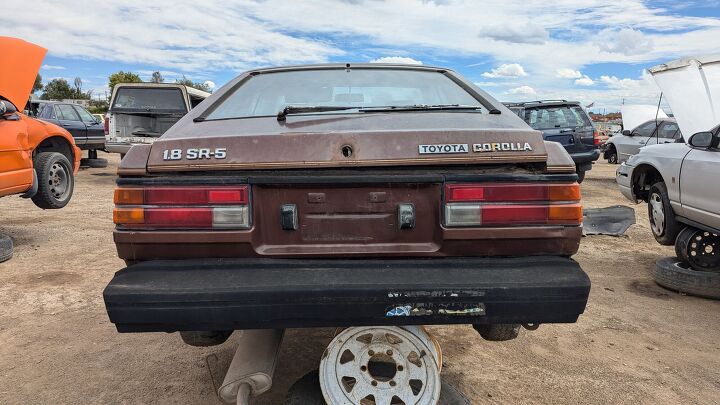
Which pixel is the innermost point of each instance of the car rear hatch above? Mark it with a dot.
(141, 114)
(568, 125)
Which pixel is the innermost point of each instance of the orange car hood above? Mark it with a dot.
(19, 65)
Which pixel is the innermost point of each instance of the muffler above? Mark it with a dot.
(252, 368)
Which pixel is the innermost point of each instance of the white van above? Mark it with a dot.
(141, 112)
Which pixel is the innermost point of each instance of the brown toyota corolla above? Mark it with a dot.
(347, 195)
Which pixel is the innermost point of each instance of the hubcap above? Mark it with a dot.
(658, 214)
(59, 181)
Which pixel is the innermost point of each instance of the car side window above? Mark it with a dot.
(66, 112)
(85, 116)
(47, 112)
(646, 129)
(668, 130)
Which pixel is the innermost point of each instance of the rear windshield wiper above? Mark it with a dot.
(308, 109)
(383, 108)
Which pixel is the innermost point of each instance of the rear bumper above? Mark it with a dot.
(585, 157)
(230, 294)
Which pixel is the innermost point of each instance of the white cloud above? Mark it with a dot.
(625, 41)
(397, 59)
(524, 90)
(584, 81)
(506, 70)
(210, 84)
(526, 33)
(568, 74)
(52, 67)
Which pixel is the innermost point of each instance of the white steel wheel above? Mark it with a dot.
(381, 365)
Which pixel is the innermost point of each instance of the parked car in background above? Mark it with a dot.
(37, 159)
(100, 118)
(139, 113)
(86, 129)
(620, 147)
(564, 122)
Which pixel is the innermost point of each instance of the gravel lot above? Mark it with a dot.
(635, 343)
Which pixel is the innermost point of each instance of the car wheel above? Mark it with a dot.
(6, 248)
(55, 180)
(662, 218)
(673, 274)
(205, 338)
(306, 391)
(97, 163)
(498, 332)
(612, 156)
(581, 176)
(700, 249)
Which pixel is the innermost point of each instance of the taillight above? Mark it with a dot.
(596, 137)
(512, 204)
(183, 207)
(107, 125)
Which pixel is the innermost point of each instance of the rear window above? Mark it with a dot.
(556, 117)
(149, 99)
(268, 93)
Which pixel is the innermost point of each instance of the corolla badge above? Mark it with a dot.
(477, 147)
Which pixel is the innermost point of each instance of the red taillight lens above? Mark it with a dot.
(596, 137)
(182, 207)
(512, 204)
(107, 125)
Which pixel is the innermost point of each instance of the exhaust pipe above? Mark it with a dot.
(252, 368)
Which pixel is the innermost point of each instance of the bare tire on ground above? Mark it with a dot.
(498, 332)
(700, 249)
(6, 248)
(662, 218)
(675, 275)
(98, 163)
(306, 391)
(55, 180)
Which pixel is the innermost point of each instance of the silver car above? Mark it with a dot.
(620, 147)
(680, 185)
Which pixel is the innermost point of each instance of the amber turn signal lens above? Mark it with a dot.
(564, 192)
(571, 213)
(123, 216)
(129, 196)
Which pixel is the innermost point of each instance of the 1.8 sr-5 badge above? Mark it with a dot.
(195, 154)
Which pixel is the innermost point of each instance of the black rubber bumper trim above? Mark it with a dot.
(230, 294)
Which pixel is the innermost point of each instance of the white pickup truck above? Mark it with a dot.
(141, 112)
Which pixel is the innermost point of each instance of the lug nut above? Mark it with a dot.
(392, 383)
(400, 368)
(372, 353)
(389, 352)
(374, 383)
(363, 368)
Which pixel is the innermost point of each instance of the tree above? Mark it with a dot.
(57, 89)
(187, 82)
(38, 83)
(157, 77)
(122, 77)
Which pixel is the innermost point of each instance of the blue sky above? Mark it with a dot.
(586, 50)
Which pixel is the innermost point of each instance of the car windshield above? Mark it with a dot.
(562, 116)
(149, 99)
(268, 93)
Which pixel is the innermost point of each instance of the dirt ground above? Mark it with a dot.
(636, 342)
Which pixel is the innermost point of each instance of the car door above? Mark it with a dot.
(700, 185)
(639, 137)
(16, 174)
(95, 130)
(70, 120)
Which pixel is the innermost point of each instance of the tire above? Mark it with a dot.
(205, 338)
(306, 391)
(94, 163)
(581, 176)
(663, 225)
(612, 156)
(673, 274)
(6, 248)
(700, 249)
(498, 332)
(55, 180)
